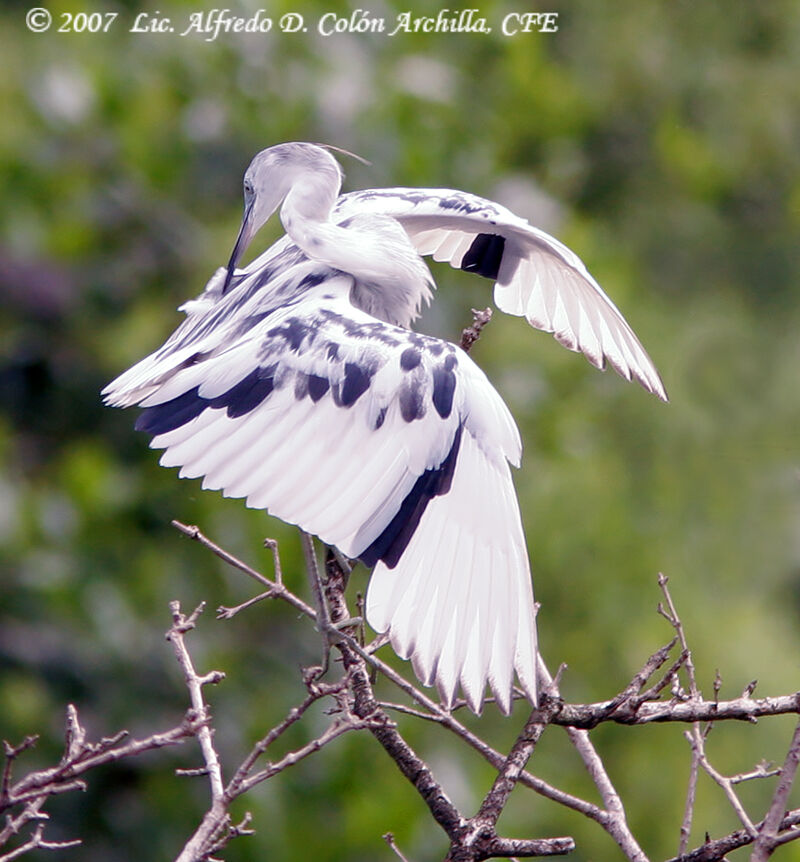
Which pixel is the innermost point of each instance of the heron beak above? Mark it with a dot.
(242, 241)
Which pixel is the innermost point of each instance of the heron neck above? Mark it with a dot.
(391, 281)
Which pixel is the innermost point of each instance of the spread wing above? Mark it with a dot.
(390, 445)
(536, 276)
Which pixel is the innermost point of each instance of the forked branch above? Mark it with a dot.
(654, 694)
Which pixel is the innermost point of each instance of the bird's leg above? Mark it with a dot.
(344, 564)
(324, 624)
(330, 630)
(337, 574)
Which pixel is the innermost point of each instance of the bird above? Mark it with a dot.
(298, 384)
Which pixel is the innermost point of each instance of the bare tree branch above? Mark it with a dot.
(275, 589)
(23, 801)
(383, 729)
(768, 837)
(389, 839)
(636, 704)
(470, 840)
(588, 716)
(718, 849)
(180, 626)
(654, 694)
(723, 781)
(480, 318)
(613, 819)
(37, 842)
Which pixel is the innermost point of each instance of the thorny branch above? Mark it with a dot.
(654, 694)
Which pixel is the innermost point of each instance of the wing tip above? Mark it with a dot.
(651, 381)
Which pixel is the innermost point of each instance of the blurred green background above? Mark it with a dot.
(658, 140)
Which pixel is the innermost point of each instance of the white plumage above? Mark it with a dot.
(297, 384)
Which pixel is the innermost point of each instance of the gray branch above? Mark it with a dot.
(654, 694)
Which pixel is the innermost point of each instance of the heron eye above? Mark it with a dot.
(248, 187)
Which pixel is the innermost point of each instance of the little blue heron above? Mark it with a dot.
(298, 384)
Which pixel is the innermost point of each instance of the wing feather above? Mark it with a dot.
(249, 473)
(589, 337)
(538, 276)
(296, 460)
(449, 246)
(336, 422)
(482, 575)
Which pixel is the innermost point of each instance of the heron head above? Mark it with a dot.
(272, 174)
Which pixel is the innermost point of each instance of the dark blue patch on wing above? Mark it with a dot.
(241, 398)
(355, 384)
(300, 386)
(171, 414)
(393, 541)
(410, 358)
(193, 360)
(312, 280)
(378, 331)
(248, 393)
(484, 255)
(411, 400)
(317, 387)
(444, 387)
(458, 202)
(294, 331)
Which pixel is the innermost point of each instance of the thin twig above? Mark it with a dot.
(294, 715)
(37, 842)
(234, 830)
(675, 621)
(11, 753)
(722, 780)
(695, 736)
(691, 796)
(768, 835)
(614, 820)
(315, 583)
(389, 839)
(509, 773)
(226, 613)
(761, 771)
(339, 726)
(718, 849)
(276, 587)
(180, 626)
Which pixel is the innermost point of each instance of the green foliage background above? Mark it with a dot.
(659, 140)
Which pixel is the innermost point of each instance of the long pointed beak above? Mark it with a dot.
(242, 241)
